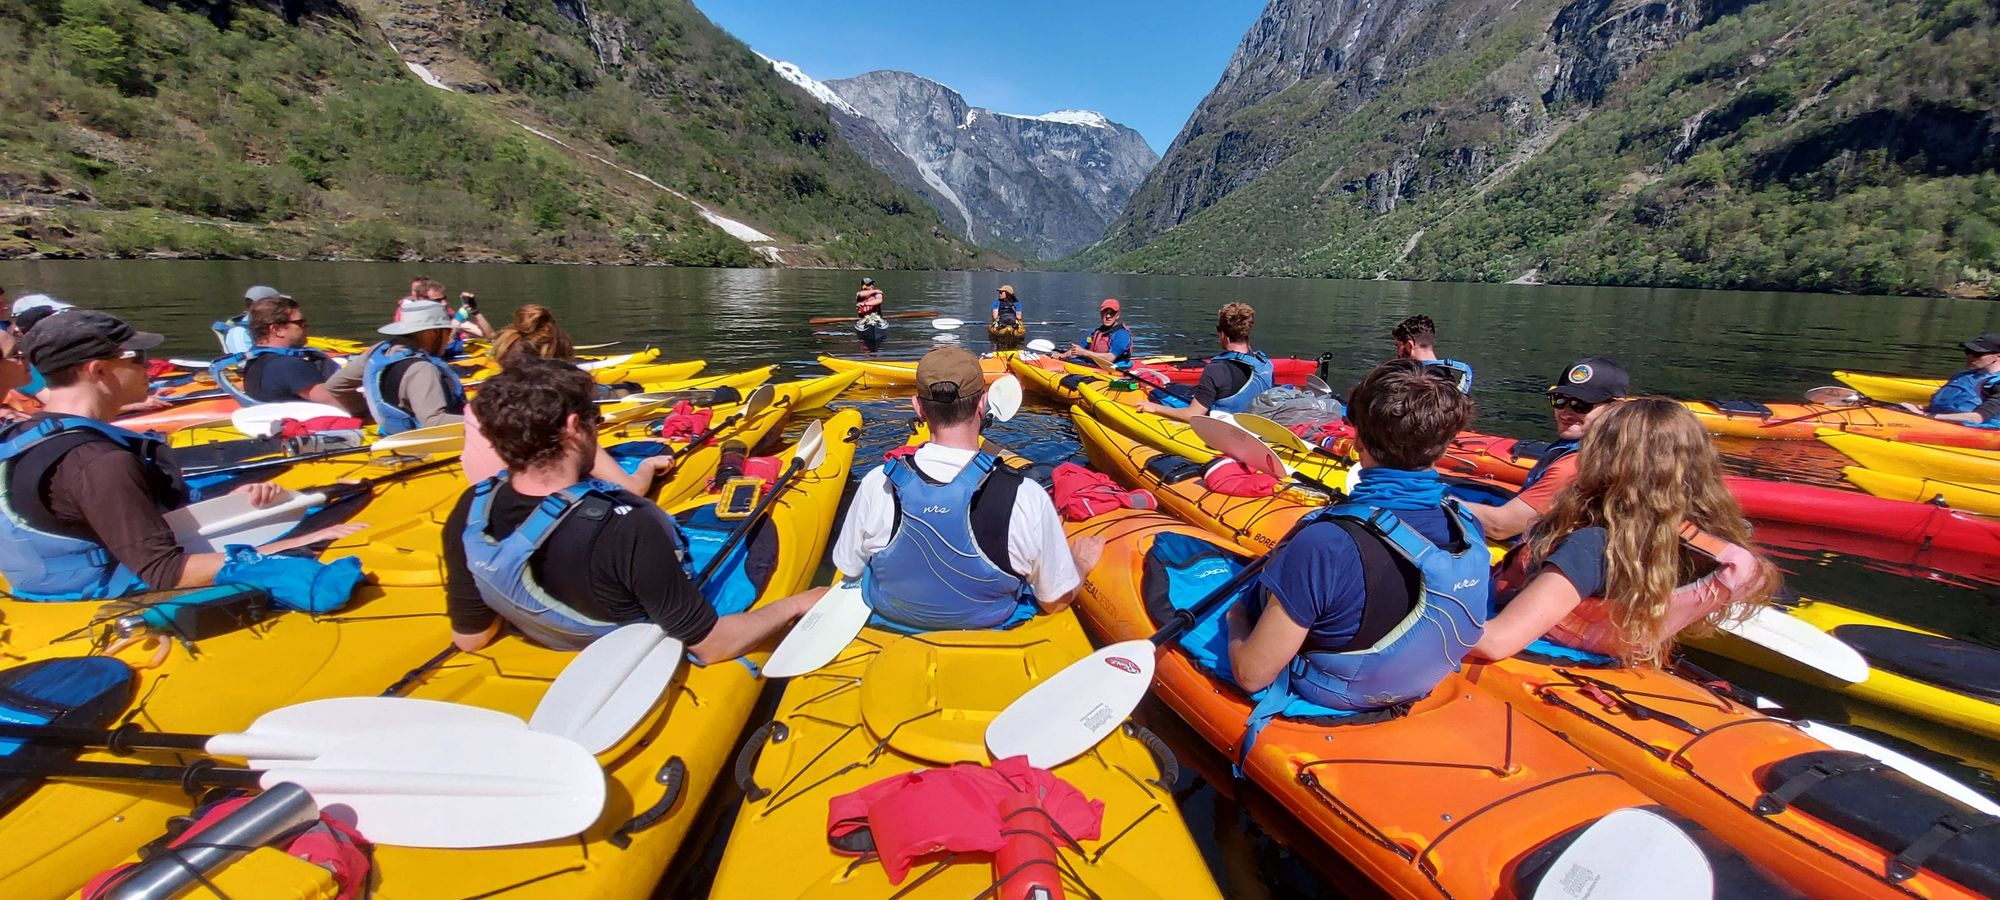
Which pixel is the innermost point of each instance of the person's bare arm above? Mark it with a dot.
(1504, 521)
(1548, 597)
(471, 642)
(739, 633)
(1258, 653)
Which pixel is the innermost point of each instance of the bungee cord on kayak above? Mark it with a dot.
(1454, 661)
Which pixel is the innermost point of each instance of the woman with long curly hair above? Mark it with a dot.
(534, 331)
(1645, 544)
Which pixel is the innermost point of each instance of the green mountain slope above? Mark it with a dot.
(238, 129)
(1795, 144)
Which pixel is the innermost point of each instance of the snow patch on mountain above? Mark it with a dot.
(1083, 117)
(812, 86)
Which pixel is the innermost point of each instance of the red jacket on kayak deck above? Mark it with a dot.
(955, 809)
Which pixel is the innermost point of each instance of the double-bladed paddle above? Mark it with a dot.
(808, 453)
(1632, 854)
(829, 320)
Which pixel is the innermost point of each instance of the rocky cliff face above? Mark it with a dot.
(1039, 186)
(1717, 143)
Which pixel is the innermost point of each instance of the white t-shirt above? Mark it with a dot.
(1036, 545)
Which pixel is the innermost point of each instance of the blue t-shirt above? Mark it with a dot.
(1580, 557)
(1317, 578)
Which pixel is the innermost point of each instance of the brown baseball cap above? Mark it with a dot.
(949, 374)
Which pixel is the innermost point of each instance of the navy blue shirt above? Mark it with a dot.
(275, 378)
(1317, 578)
(1579, 556)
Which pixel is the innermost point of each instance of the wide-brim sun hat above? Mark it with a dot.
(428, 315)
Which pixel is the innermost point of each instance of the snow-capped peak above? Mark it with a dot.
(819, 91)
(1083, 117)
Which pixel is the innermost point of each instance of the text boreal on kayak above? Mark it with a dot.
(1957, 464)
(1802, 421)
(1455, 795)
(657, 776)
(1890, 388)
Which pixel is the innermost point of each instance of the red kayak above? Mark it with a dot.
(1284, 370)
(1922, 525)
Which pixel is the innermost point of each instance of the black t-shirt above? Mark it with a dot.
(1220, 378)
(629, 573)
(276, 378)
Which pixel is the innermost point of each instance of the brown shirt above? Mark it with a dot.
(100, 488)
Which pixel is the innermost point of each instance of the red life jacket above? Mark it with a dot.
(1589, 626)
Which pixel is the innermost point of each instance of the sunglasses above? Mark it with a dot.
(299, 322)
(1558, 401)
(137, 356)
(1107, 313)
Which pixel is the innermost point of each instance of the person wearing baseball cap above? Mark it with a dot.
(1109, 346)
(82, 501)
(234, 332)
(1579, 395)
(947, 536)
(402, 382)
(1971, 396)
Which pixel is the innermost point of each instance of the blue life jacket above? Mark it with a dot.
(1464, 377)
(1010, 312)
(1453, 601)
(219, 369)
(46, 566)
(934, 575)
(502, 571)
(382, 360)
(1262, 375)
(1556, 451)
(1964, 392)
(234, 333)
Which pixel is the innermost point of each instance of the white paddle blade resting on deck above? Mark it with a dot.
(609, 687)
(437, 438)
(1631, 854)
(1231, 440)
(262, 420)
(821, 634)
(810, 450)
(1799, 641)
(1042, 345)
(1318, 385)
(307, 730)
(1003, 398)
(454, 787)
(1069, 713)
(1278, 436)
(211, 525)
(1836, 395)
(946, 323)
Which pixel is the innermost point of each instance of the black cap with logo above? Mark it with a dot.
(77, 336)
(1985, 343)
(1593, 380)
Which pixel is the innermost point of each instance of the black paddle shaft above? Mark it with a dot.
(117, 740)
(201, 774)
(756, 514)
(1184, 619)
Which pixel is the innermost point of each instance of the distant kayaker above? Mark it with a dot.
(280, 367)
(1008, 325)
(1230, 379)
(82, 501)
(1581, 393)
(1645, 543)
(1971, 396)
(1416, 338)
(566, 558)
(401, 382)
(947, 536)
(868, 319)
(1109, 346)
(235, 330)
(1373, 601)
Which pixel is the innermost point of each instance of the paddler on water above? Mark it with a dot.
(868, 320)
(1582, 393)
(1373, 601)
(1008, 326)
(1645, 542)
(1231, 379)
(82, 501)
(1109, 345)
(402, 382)
(1416, 338)
(566, 558)
(1971, 396)
(947, 536)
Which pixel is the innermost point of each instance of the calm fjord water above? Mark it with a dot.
(1764, 346)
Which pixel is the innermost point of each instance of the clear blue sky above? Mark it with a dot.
(1144, 63)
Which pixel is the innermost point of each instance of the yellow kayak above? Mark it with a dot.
(1960, 464)
(1178, 438)
(1972, 498)
(1890, 388)
(891, 704)
(893, 372)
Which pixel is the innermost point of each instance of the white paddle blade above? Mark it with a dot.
(759, 400)
(1271, 432)
(436, 438)
(191, 363)
(1042, 345)
(290, 508)
(306, 730)
(1799, 641)
(637, 689)
(821, 634)
(810, 450)
(946, 323)
(1069, 713)
(571, 702)
(1229, 439)
(454, 787)
(1318, 385)
(1835, 395)
(1923, 774)
(1003, 398)
(262, 419)
(210, 525)
(1631, 854)
(607, 362)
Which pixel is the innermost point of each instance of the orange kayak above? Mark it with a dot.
(1802, 422)
(1452, 799)
(1713, 771)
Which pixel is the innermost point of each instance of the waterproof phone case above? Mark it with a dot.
(739, 497)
